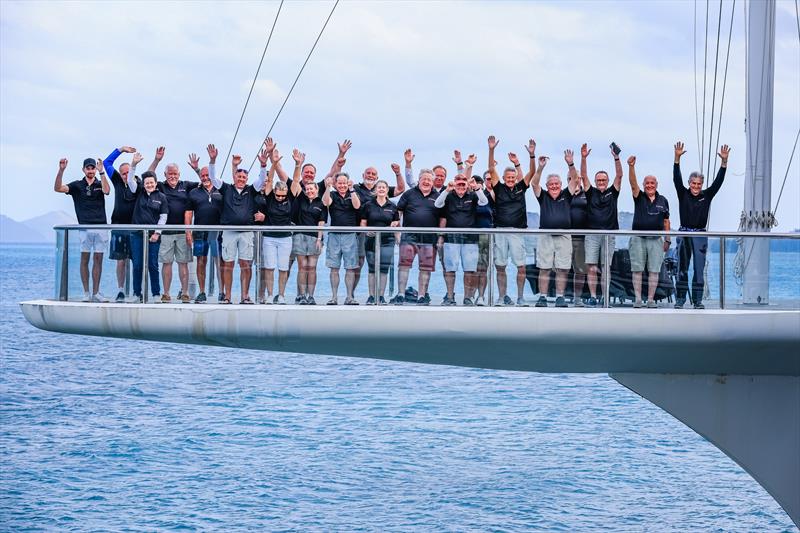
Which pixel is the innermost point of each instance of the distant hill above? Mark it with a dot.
(34, 230)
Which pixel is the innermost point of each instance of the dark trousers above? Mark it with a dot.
(688, 247)
(137, 250)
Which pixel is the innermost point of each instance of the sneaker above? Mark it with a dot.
(699, 305)
(651, 304)
(468, 302)
(279, 300)
(120, 297)
(332, 301)
(578, 302)
(381, 301)
(98, 298)
(522, 303)
(201, 298)
(592, 302)
(542, 301)
(637, 304)
(165, 298)
(310, 300)
(479, 301)
(425, 300)
(371, 300)
(86, 297)
(185, 298)
(350, 301)
(561, 302)
(301, 300)
(447, 302)
(220, 296)
(679, 304)
(411, 295)
(397, 300)
(135, 299)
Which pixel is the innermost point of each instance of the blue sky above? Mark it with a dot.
(77, 79)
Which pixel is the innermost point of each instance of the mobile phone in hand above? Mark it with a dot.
(616, 149)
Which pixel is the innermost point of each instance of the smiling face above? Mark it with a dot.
(460, 185)
(124, 169)
(601, 181)
(695, 183)
(205, 180)
(341, 184)
(370, 176)
(510, 177)
(90, 171)
(172, 174)
(381, 189)
(309, 172)
(426, 183)
(553, 185)
(650, 185)
(240, 180)
(439, 176)
(149, 184)
(312, 190)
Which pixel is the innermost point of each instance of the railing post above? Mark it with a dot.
(146, 266)
(606, 271)
(63, 289)
(722, 244)
(377, 266)
(257, 267)
(490, 270)
(211, 265)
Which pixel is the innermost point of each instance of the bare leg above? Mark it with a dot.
(334, 284)
(183, 275)
(311, 273)
(561, 281)
(245, 274)
(637, 285)
(578, 281)
(283, 277)
(382, 288)
(483, 281)
(357, 272)
(544, 281)
(592, 278)
(520, 281)
(166, 276)
(302, 274)
(121, 263)
(424, 279)
(470, 279)
(85, 270)
(267, 282)
(202, 261)
(502, 281)
(97, 271)
(402, 279)
(350, 281)
(652, 283)
(371, 283)
(227, 278)
(450, 282)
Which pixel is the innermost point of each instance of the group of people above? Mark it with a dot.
(414, 201)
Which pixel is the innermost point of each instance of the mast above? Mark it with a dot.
(758, 175)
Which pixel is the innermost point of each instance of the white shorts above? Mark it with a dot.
(555, 251)
(237, 243)
(466, 254)
(509, 245)
(93, 240)
(275, 252)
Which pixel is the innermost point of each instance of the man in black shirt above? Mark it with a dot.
(601, 215)
(204, 209)
(510, 212)
(89, 198)
(554, 251)
(651, 213)
(343, 204)
(694, 204)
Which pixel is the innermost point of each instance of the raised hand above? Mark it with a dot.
(344, 147)
(100, 164)
(632, 161)
(408, 155)
(62, 163)
(160, 153)
(585, 150)
(679, 150)
(275, 156)
(127, 149)
(513, 158)
(531, 147)
(212, 153)
(298, 156)
(450, 186)
(349, 184)
(340, 163)
(236, 160)
(457, 157)
(329, 182)
(137, 158)
(493, 142)
(194, 161)
(395, 168)
(263, 156)
(569, 157)
(724, 152)
(269, 144)
(543, 159)
(471, 160)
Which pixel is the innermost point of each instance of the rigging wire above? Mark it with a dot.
(711, 159)
(788, 167)
(705, 90)
(725, 77)
(696, 105)
(295, 80)
(252, 86)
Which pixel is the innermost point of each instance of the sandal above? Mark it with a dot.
(225, 301)
(246, 301)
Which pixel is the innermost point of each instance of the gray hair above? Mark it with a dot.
(425, 171)
(696, 175)
(510, 169)
(551, 176)
(280, 186)
(175, 165)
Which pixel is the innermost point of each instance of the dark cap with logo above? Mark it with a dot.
(89, 162)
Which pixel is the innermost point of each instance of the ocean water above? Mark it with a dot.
(101, 434)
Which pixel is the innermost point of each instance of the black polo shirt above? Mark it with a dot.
(178, 198)
(342, 211)
(461, 213)
(124, 199)
(238, 207)
(694, 209)
(555, 212)
(149, 207)
(603, 208)
(89, 200)
(419, 211)
(206, 205)
(647, 215)
(380, 216)
(578, 210)
(307, 212)
(275, 213)
(510, 206)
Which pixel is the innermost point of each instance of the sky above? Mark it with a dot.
(78, 79)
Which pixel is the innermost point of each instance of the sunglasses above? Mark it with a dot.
(279, 196)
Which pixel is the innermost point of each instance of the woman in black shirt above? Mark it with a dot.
(379, 212)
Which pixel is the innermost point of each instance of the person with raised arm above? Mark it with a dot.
(238, 209)
(651, 213)
(89, 198)
(379, 211)
(554, 252)
(578, 215)
(275, 201)
(510, 212)
(694, 204)
(307, 210)
(484, 218)
(439, 171)
(459, 204)
(601, 215)
(204, 209)
(343, 204)
(151, 207)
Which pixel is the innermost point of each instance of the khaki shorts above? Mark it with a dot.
(305, 245)
(596, 249)
(174, 248)
(578, 254)
(237, 243)
(509, 246)
(647, 251)
(555, 251)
